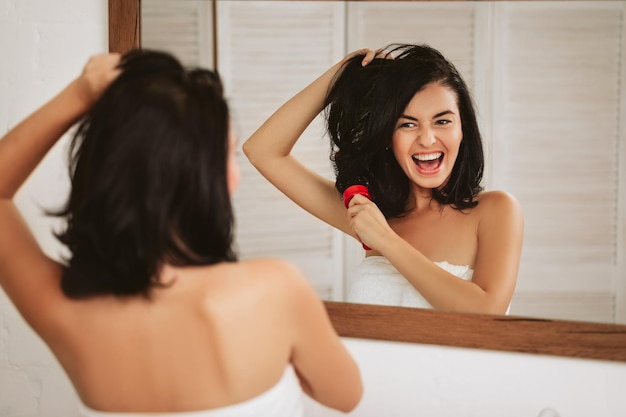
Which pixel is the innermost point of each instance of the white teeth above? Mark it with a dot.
(428, 157)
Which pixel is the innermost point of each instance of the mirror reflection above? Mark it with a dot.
(545, 77)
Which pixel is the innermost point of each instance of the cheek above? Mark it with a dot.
(455, 148)
(233, 175)
(453, 139)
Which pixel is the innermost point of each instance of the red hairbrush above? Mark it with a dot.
(350, 192)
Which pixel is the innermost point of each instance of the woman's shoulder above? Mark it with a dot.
(497, 200)
(270, 291)
(269, 269)
(497, 205)
(272, 277)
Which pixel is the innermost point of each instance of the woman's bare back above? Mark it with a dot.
(216, 336)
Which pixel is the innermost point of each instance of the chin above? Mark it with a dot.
(436, 181)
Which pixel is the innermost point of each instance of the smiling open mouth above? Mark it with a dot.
(428, 162)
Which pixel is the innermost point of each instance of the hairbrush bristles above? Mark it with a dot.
(341, 185)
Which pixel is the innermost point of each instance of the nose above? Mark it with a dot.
(426, 136)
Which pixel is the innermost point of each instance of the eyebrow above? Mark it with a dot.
(443, 113)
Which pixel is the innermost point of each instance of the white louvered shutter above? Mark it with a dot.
(183, 28)
(557, 136)
(268, 51)
(447, 26)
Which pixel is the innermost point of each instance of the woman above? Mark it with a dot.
(406, 128)
(151, 312)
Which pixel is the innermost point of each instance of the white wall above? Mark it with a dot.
(43, 45)
(404, 379)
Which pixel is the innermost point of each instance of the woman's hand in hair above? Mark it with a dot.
(97, 75)
(370, 54)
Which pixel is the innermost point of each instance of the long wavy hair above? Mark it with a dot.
(148, 179)
(362, 109)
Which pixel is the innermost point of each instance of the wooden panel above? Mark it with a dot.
(481, 331)
(124, 24)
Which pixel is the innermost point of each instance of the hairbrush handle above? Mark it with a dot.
(350, 192)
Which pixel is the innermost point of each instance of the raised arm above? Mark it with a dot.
(269, 150)
(23, 147)
(23, 266)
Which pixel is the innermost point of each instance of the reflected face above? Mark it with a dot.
(233, 174)
(427, 136)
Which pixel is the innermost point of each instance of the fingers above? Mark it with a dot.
(358, 199)
(359, 219)
(97, 75)
(370, 54)
(103, 68)
(361, 206)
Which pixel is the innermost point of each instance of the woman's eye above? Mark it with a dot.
(443, 122)
(407, 125)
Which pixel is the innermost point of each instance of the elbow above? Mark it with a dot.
(351, 402)
(346, 404)
(345, 399)
(248, 151)
(260, 155)
(255, 153)
(350, 398)
(494, 308)
(479, 307)
(494, 311)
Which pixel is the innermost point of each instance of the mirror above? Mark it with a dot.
(567, 271)
(515, 333)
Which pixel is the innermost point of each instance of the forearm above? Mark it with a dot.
(23, 147)
(278, 135)
(443, 290)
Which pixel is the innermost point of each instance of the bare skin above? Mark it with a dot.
(488, 237)
(218, 335)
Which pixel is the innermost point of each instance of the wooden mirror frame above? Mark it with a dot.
(481, 331)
